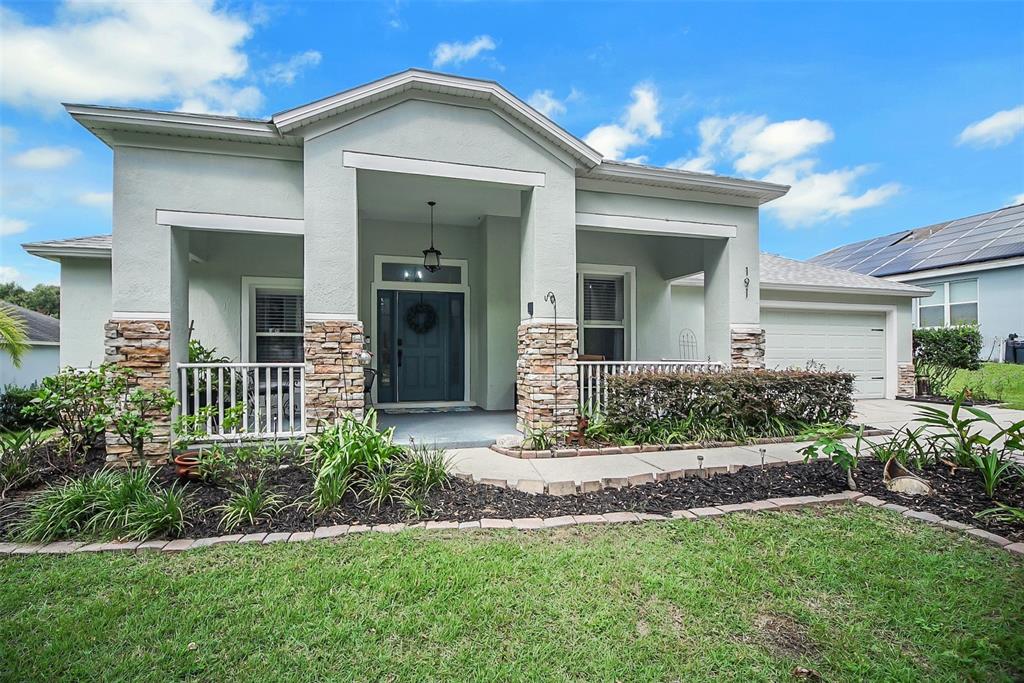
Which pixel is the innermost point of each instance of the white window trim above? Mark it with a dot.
(946, 317)
(628, 274)
(379, 283)
(248, 316)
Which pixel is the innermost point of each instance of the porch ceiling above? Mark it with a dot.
(403, 198)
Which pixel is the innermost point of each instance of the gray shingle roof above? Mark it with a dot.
(987, 236)
(38, 327)
(779, 272)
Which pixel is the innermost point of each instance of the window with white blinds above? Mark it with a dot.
(604, 308)
(278, 326)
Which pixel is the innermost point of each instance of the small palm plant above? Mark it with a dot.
(13, 338)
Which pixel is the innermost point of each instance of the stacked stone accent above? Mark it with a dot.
(144, 347)
(906, 380)
(747, 349)
(334, 375)
(546, 360)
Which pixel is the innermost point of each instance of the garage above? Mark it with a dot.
(851, 341)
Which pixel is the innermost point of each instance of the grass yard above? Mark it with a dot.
(854, 593)
(999, 381)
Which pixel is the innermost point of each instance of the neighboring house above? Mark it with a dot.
(294, 240)
(42, 358)
(973, 267)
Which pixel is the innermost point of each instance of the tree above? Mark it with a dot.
(13, 340)
(940, 351)
(41, 298)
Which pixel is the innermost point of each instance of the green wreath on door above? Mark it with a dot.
(421, 318)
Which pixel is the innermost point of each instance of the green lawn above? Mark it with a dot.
(999, 381)
(854, 593)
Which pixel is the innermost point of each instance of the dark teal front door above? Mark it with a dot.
(429, 346)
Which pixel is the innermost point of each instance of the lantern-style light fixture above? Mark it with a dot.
(432, 257)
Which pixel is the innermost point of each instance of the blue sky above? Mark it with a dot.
(882, 116)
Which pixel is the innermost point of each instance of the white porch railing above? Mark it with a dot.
(594, 375)
(271, 396)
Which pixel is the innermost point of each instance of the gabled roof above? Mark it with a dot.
(429, 81)
(984, 237)
(96, 246)
(781, 273)
(39, 328)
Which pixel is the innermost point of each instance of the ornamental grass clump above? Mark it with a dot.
(354, 456)
(121, 504)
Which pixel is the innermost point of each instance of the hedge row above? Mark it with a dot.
(753, 401)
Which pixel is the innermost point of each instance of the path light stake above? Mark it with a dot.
(550, 296)
(762, 459)
(700, 466)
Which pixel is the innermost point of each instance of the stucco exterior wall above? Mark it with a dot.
(41, 360)
(85, 307)
(1000, 308)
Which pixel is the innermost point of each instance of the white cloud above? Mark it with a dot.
(223, 101)
(640, 123)
(995, 131)
(815, 197)
(458, 53)
(287, 71)
(1017, 199)
(782, 152)
(12, 226)
(120, 51)
(9, 274)
(101, 200)
(546, 103)
(44, 158)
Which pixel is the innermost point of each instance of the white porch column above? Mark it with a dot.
(546, 381)
(732, 302)
(333, 330)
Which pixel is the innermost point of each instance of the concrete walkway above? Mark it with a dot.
(483, 464)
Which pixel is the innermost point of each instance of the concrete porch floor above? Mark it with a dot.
(483, 463)
(456, 429)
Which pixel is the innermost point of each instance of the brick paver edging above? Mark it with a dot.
(527, 454)
(792, 503)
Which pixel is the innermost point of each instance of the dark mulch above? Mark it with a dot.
(959, 496)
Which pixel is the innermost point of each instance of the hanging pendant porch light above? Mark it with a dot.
(432, 257)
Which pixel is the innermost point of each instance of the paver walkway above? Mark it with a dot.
(483, 463)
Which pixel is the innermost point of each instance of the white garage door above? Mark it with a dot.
(848, 341)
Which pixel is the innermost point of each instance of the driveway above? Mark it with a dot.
(890, 414)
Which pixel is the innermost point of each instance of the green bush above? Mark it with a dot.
(653, 407)
(78, 403)
(940, 351)
(13, 414)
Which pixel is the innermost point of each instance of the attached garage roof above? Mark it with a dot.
(781, 273)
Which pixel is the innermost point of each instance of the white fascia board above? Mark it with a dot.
(484, 90)
(652, 226)
(56, 253)
(650, 175)
(196, 123)
(690, 281)
(965, 269)
(228, 222)
(443, 169)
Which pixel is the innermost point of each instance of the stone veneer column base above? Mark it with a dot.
(906, 380)
(747, 348)
(334, 375)
(546, 360)
(144, 347)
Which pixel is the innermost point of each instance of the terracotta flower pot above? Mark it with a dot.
(186, 465)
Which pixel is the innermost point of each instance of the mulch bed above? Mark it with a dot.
(959, 496)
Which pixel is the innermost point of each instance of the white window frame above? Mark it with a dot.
(946, 318)
(628, 274)
(248, 316)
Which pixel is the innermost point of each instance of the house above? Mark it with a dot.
(973, 268)
(41, 359)
(439, 223)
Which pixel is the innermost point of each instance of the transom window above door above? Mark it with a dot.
(605, 310)
(391, 271)
(951, 303)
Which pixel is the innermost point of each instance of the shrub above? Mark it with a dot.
(827, 443)
(13, 404)
(737, 404)
(78, 403)
(17, 458)
(133, 409)
(122, 504)
(940, 351)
